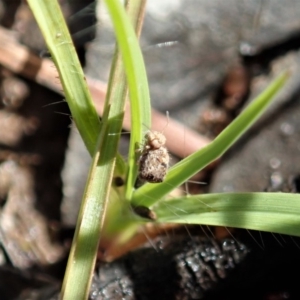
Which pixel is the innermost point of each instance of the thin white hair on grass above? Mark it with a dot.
(210, 235)
(230, 233)
(174, 209)
(257, 18)
(293, 240)
(64, 114)
(68, 115)
(148, 129)
(168, 120)
(104, 23)
(110, 46)
(103, 20)
(99, 11)
(186, 186)
(54, 103)
(203, 203)
(187, 230)
(150, 240)
(77, 36)
(161, 45)
(196, 182)
(277, 240)
(86, 11)
(118, 133)
(282, 238)
(255, 240)
(186, 193)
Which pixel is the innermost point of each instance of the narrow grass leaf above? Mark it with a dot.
(137, 83)
(84, 248)
(52, 24)
(274, 212)
(149, 193)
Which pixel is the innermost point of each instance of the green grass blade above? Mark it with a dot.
(88, 231)
(82, 257)
(274, 212)
(149, 193)
(137, 83)
(52, 24)
(89, 228)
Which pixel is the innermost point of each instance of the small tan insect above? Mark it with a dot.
(154, 159)
(154, 140)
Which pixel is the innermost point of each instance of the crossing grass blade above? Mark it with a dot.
(273, 212)
(149, 194)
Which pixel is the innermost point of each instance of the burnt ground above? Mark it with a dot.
(223, 55)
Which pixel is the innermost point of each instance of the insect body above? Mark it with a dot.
(154, 159)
